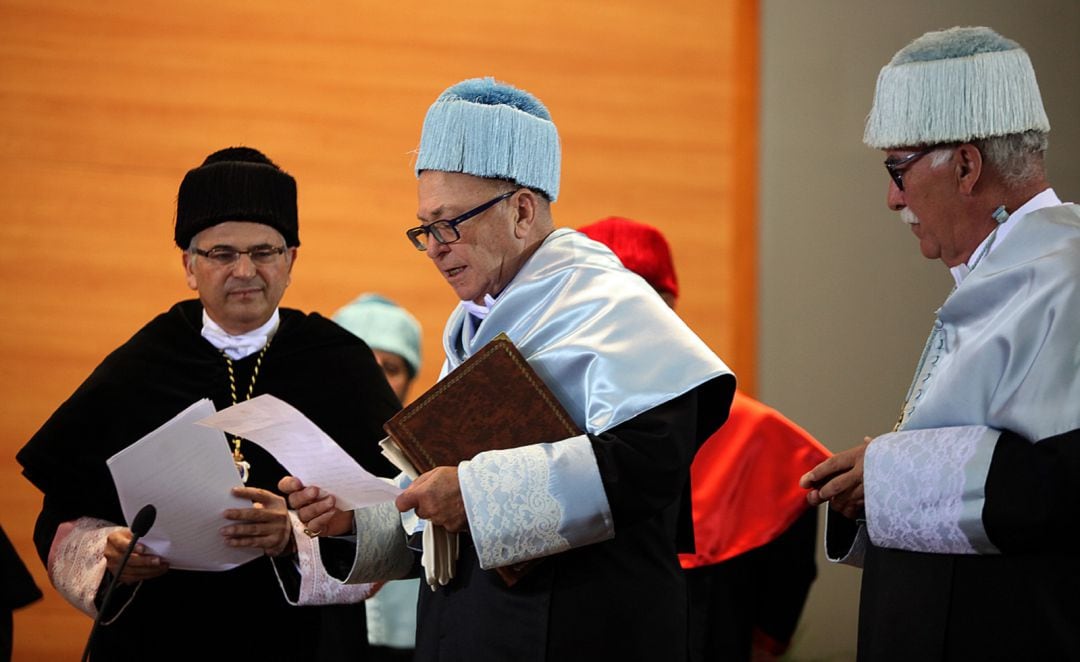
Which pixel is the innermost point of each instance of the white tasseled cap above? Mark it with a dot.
(955, 85)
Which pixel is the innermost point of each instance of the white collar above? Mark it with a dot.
(480, 311)
(245, 344)
(1046, 198)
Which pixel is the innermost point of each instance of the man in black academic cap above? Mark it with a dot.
(236, 223)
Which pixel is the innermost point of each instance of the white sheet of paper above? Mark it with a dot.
(304, 450)
(186, 471)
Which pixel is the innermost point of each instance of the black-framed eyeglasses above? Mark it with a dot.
(227, 255)
(446, 232)
(897, 167)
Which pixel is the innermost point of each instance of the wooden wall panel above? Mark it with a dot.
(104, 106)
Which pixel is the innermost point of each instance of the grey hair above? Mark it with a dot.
(1017, 157)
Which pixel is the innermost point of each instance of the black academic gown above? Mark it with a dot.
(1022, 604)
(314, 365)
(17, 589)
(622, 599)
(755, 597)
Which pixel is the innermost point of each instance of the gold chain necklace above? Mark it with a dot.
(242, 465)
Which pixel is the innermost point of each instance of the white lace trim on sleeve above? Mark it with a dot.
(534, 501)
(925, 489)
(77, 561)
(317, 587)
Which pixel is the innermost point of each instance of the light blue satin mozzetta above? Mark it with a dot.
(610, 349)
(599, 336)
(1008, 358)
(1011, 331)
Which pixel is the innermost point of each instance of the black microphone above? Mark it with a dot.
(140, 525)
(144, 519)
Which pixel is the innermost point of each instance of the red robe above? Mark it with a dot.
(755, 538)
(745, 482)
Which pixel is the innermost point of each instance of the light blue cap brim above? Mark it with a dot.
(490, 129)
(383, 325)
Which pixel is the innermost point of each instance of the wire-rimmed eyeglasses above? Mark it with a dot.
(227, 255)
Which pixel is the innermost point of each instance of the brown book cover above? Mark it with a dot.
(494, 400)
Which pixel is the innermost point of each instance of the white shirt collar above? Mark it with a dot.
(477, 310)
(245, 344)
(1046, 198)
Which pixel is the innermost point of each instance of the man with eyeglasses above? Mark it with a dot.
(605, 512)
(964, 518)
(236, 223)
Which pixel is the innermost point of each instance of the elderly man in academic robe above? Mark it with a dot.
(964, 518)
(237, 225)
(605, 511)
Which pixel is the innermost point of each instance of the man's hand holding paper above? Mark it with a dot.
(316, 508)
(264, 526)
(304, 450)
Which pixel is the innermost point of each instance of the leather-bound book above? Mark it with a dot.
(492, 401)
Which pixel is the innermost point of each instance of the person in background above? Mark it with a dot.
(754, 533)
(238, 232)
(394, 337)
(964, 519)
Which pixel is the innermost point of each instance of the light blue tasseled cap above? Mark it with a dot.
(490, 129)
(955, 85)
(383, 325)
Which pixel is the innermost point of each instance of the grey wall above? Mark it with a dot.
(846, 298)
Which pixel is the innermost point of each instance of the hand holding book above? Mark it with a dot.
(492, 401)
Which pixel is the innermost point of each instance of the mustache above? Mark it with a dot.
(908, 216)
(234, 285)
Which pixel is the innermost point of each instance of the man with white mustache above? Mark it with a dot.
(964, 517)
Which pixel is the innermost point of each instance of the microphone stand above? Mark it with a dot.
(144, 519)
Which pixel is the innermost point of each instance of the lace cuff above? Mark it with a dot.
(925, 489)
(381, 554)
(77, 562)
(317, 587)
(534, 501)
